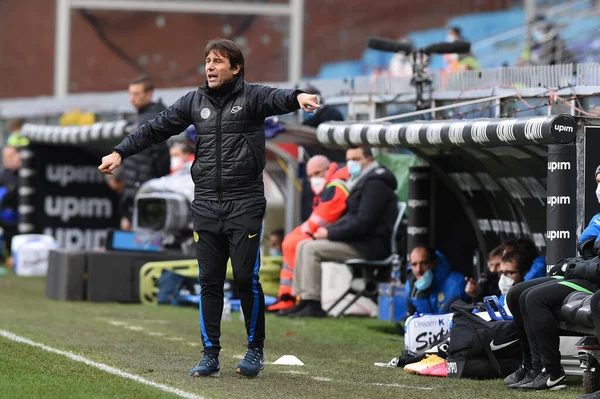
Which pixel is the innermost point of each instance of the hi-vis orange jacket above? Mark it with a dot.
(331, 204)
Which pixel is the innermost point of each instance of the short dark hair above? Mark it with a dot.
(279, 233)
(521, 260)
(366, 150)
(456, 30)
(431, 254)
(528, 246)
(144, 80)
(229, 49)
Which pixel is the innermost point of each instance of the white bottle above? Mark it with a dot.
(226, 310)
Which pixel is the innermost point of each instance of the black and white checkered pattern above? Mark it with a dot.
(48, 134)
(554, 129)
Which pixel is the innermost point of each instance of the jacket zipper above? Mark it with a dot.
(219, 194)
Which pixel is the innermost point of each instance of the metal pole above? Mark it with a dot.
(206, 7)
(290, 196)
(296, 41)
(530, 11)
(62, 42)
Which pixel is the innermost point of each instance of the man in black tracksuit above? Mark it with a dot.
(149, 164)
(229, 202)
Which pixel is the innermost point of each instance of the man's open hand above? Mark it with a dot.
(110, 163)
(308, 102)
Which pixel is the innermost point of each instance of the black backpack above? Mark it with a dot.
(481, 349)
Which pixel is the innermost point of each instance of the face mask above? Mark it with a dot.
(176, 163)
(354, 167)
(317, 184)
(598, 193)
(538, 36)
(425, 281)
(275, 252)
(505, 284)
(450, 38)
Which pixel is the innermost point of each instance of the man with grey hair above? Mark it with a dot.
(329, 203)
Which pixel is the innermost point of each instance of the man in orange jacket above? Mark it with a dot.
(329, 203)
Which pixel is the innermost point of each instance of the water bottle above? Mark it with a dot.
(226, 310)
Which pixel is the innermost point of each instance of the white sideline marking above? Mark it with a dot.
(379, 384)
(322, 379)
(116, 323)
(135, 328)
(156, 334)
(103, 367)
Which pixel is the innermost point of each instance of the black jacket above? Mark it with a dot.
(371, 210)
(149, 164)
(230, 137)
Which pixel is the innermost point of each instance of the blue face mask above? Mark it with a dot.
(425, 281)
(354, 168)
(274, 252)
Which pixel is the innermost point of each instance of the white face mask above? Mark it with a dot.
(598, 193)
(317, 184)
(450, 38)
(176, 163)
(505, 284)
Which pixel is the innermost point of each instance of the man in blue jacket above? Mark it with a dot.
(432, 286)
(229, 195)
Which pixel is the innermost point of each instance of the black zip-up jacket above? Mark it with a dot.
(230, 137)
(371, 210)
(152, 163)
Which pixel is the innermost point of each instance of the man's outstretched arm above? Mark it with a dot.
(169, 122)
(270, 101)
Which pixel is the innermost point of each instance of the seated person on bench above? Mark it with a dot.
(532, 304)
(364, 231)
(330, 193)
(488, 280)
(432, 286)
(537, 267)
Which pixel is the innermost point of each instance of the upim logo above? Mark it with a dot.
(70, 207)
(413, 231)
(561, 128)
(66, 174)
(554, 200)
(552, 166)
(558, 235)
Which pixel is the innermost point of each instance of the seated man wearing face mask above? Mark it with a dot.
(514, 266)
(329, 203)
(364, 231)
(532, 304)
(432, 286)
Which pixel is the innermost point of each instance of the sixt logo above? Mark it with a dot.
(552, 166)
(555, 200)
(562, 128)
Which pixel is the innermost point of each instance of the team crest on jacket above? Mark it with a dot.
(205, 113)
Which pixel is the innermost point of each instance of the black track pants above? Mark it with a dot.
(223, 230)
(531, 355)
(541, 303)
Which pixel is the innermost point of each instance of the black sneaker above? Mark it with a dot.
(544, 381)
(297, 308)
(207, 367)
(252, 364)
(517, 376)
(312, 309)
(530, 376)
